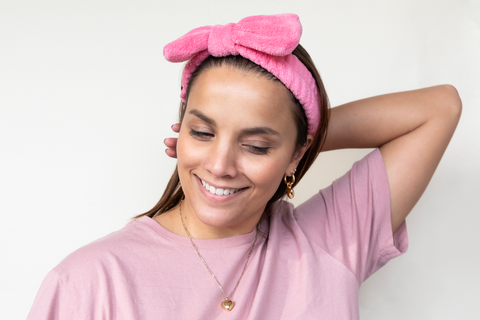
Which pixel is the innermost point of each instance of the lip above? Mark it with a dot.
(215, 197)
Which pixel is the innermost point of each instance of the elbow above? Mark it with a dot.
(450, 102)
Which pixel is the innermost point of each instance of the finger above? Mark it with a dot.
(176, 127)
(172, 153)
(170, 142)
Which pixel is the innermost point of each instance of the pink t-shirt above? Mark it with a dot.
(311, 266)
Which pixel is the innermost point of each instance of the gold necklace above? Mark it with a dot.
(227, 303)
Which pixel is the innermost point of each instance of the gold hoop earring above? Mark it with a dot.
(290, 191)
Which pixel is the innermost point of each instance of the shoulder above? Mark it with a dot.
(366, 175)
(326, 210)
(286, 219)
(102, 253)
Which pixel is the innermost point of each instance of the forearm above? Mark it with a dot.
(372, 122)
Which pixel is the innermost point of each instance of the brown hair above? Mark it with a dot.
(173, 193)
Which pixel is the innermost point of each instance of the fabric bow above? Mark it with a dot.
(266, 40)
(276, 35)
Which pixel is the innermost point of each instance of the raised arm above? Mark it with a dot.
(412, 130)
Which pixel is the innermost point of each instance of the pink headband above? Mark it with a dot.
(265, 40)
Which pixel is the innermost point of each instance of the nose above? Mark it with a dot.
(222, 159)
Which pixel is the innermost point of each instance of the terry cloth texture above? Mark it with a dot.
(266, 40)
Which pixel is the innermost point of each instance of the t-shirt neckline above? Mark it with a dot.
(200, 243)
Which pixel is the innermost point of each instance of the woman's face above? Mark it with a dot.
(236, 141)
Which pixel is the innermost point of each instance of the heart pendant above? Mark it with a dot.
(228, 305)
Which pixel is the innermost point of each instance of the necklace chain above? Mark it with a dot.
(205, 263)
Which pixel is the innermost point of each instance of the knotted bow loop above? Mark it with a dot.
(220, 43)
(276, 35)
(188, 45)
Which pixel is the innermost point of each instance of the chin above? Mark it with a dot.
(217, 215)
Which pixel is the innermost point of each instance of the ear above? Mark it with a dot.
(298, 155)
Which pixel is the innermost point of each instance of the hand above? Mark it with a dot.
(171, 143)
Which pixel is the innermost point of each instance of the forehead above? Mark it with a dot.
(239, 97)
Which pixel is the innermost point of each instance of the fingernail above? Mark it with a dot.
(166, 150)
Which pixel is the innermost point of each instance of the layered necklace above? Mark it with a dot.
(227, 302)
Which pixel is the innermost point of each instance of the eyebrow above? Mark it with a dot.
(203, 117)
(247, 131)
(260, 130)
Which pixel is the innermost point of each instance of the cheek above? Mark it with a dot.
(186, 161)
(266, 175)
(265, 172)
(188, 154)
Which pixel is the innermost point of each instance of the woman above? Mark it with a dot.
(220, 243)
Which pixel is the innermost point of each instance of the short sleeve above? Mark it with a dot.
(78, 288)
(351, 219)
(51, 300)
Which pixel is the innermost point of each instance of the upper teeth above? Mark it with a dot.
(218, 191)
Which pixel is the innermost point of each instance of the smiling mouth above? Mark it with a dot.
(219, 191)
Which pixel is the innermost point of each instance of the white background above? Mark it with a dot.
(86, 100)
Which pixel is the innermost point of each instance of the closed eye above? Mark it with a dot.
(200, 134)
(258, 150)
(206, 136)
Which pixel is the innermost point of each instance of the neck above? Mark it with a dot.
(201, 230)
(172, 221)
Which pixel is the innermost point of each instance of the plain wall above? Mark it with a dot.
(86, 100)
